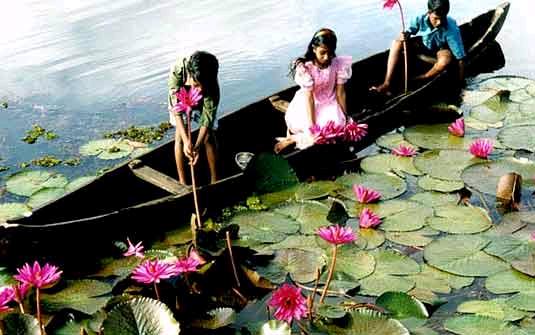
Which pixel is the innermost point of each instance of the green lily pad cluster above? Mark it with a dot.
(145, 135)
(37, 131)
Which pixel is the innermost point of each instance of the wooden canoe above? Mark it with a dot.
(140, 197)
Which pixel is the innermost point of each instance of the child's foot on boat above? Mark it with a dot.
(383, 89)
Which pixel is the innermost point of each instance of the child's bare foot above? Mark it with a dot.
(384, 88)
(283, 144)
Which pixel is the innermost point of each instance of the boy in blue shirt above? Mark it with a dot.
(441, 38)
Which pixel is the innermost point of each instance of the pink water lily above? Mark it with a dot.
(389, 4)
(365, 195)
(193, 254)
(153, 271)
(37, 276)
(368, 219)
(187, 264)
(337, 234)
(404, 151)
(134, 250)
(457, 127)
(6, 296)
(327, 134)
(289, 303)
(354, 131)
(187, 100)
(20, 290)
(481, 148)
(533, 236)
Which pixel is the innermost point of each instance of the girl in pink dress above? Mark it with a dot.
(321, 98)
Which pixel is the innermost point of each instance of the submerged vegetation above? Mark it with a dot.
(411, 240)
(37, 131)
(145, 135)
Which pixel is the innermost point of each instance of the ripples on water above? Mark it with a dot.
(81, 68)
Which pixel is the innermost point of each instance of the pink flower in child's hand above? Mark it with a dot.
(481, 147)
(457, 127)
(355, 131)
(134, 250)
(44, 277)
(6, 295)
(404, 151)
(187, 100)
(389, 4)
(153, 271)
(193, 254)
(368, 219)
(187, 264)
(337, 234)
(289, 303)
(365, 195)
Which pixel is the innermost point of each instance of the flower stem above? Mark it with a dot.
(157, 291)
(193, 183)
(312, 296)
(229, 246)
(38, 302)
(330, 275)
(404, 49)
(21, 308)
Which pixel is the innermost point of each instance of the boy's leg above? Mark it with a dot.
(211, 155)
(444, 58)
(179, 158)
(393, 58)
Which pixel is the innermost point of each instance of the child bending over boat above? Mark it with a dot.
(441, 38)
(321, 98)
(198, 70)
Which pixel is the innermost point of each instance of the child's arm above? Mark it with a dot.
(310, 108)
(341, 97)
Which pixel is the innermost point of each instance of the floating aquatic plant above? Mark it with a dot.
(368, 219)
(457, 127)
(404, 151)
(365, 195)
(289, 303)
(481, 148)
(134, 250)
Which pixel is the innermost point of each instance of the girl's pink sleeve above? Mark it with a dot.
(303, 77)
(343, 69)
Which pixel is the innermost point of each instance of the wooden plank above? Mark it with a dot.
(278, 103)
(157, 178)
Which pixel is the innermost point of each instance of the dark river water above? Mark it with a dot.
(83, 68)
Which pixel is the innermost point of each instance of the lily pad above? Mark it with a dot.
(215, 319)
(264, 227)
(106, 149)
(494, 109)
(394, 263)
(83, 295)
(510, 281)
(379, 283)
(385, 163)
(413, 218)
(141, 316)
(518, 137)
(445, 164)
(315, 190)
(476, 124)
(389, 185)
(463, 255)
(484, 177)
(15, 323)
(369, 238)
(460, 219)
(45, 195)
(354, 262)
(508, 248)
(480, 325)
(435, 136)
(505, 82)
(278, 197)
(271, 173)
(26, 183)
(310, 214)
(429, 183)
(79, 182)
(365, 322)
(453, 281)
(383, 208)
(301, 242)
(391, 141)
(13, 210)
(401, 305)
(524, 301)
(331, 311)
(275, 327)
(434, 199)
(418, 238)
(495, 308)
(300, 264)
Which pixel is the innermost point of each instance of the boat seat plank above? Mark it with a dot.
(279, 103)
(157, 178)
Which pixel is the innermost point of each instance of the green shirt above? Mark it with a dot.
(177, 79)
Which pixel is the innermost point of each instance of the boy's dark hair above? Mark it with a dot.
(203, 67)
(324, 36)
(439, 7)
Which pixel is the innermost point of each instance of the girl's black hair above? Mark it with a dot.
(325, 37)
(439, 7)
(203, 67)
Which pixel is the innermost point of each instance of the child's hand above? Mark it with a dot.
(404, 36)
